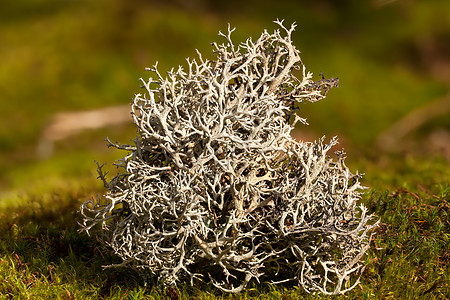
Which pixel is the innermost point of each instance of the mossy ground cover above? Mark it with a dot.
(42, 254)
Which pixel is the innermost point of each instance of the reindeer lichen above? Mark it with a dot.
(215, 187)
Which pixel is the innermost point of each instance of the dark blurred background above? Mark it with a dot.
(392, 59)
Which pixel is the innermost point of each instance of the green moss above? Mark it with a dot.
(43, 255)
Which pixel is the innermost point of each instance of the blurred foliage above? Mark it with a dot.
(60, 55)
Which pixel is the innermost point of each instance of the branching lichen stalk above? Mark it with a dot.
(215, 187)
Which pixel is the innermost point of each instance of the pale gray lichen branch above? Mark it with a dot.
(215, 187)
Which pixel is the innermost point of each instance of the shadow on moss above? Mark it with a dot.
(43, 239)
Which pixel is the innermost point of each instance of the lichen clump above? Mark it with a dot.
(215, 187)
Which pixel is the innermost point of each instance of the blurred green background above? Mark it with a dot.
(392, 58)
